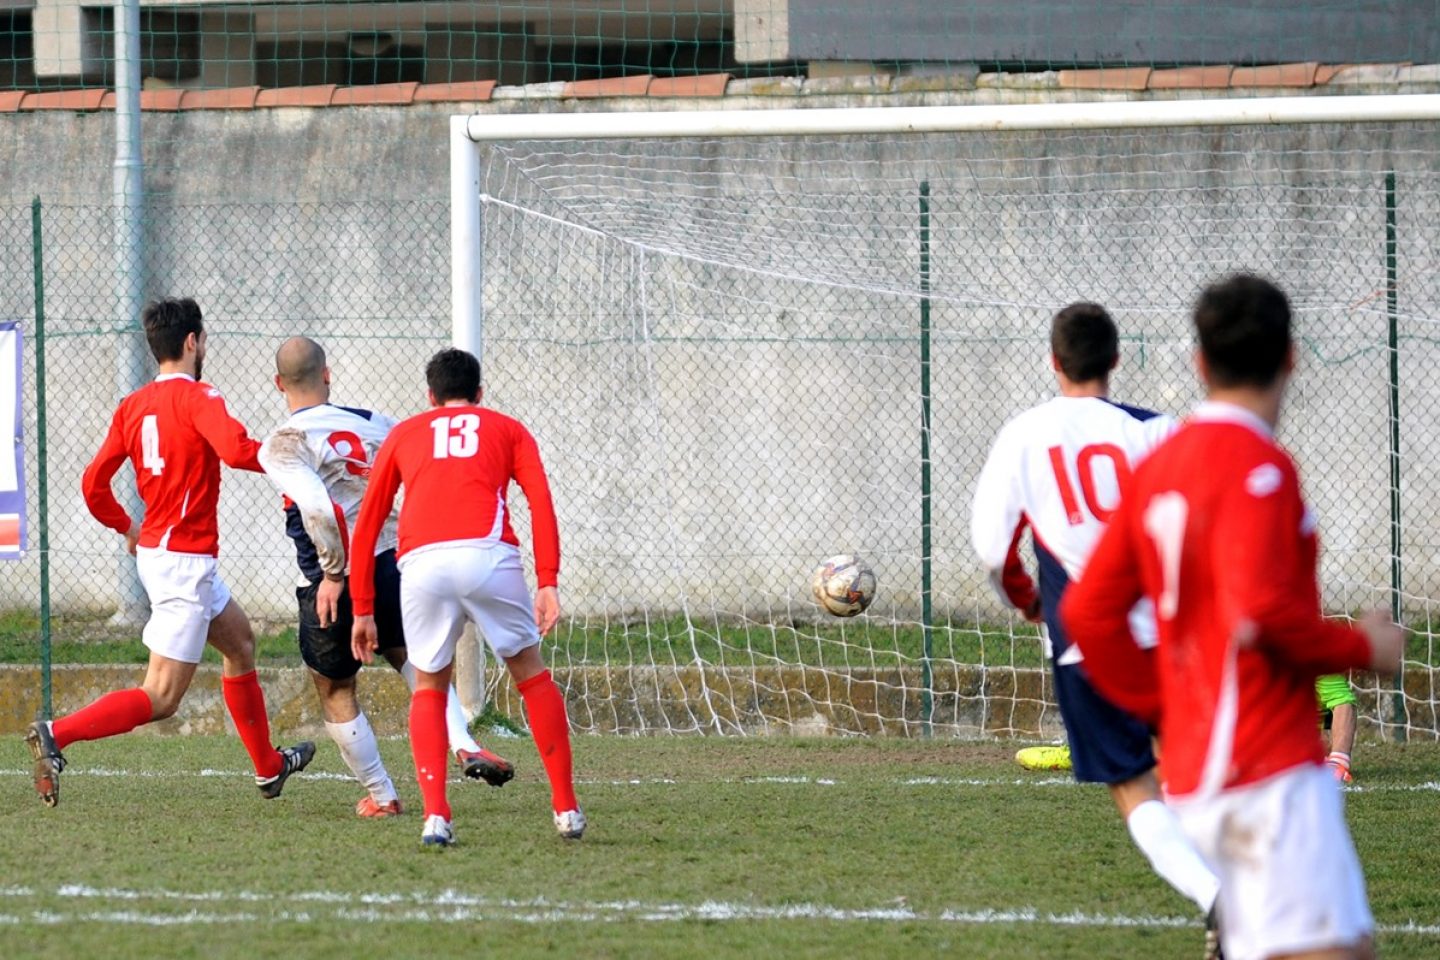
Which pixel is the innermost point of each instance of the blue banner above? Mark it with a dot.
(12, 461)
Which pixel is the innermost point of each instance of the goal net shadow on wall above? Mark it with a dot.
(720, 342)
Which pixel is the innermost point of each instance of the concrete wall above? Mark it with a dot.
(714, 425)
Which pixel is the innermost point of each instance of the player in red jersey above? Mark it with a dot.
(1214, 531)
(175, 431)
(459, 559)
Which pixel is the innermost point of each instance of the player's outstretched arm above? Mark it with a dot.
(1096, 614)
(529, 472)
(375, 508)
(95, 484)
(227, 436)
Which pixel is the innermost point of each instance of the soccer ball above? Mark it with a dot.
(844, 585)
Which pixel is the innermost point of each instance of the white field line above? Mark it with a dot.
(452, 906)
(1429, 786)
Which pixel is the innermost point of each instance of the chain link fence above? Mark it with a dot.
(720, 345)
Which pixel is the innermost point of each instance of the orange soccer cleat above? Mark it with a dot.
(369, 809)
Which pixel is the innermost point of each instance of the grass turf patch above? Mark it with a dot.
(729, 847)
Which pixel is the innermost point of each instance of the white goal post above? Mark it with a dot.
(723, 326)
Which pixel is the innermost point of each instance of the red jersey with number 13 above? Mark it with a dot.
(1213, 529)
(456, 463)
(175, 431)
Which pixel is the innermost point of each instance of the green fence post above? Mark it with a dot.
(42, 484)
(1392, 310)
(927, 695)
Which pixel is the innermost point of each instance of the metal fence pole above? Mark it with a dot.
(129, 234)
(1392, 311)
(42, 471)
(927, 702)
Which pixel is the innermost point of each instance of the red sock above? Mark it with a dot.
(431, 749)
(111, 715)
(551, 729)
(246, 703)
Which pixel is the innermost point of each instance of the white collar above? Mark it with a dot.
(1218, 411)
(174, 376)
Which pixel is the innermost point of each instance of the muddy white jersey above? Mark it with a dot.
(320, 458)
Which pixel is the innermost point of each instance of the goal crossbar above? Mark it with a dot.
(943, 119)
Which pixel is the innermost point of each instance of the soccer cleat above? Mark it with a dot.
(570, 824)
(49, 761)
(1213, 950)
(293, 760)
(437, 832)
(484, 765)
(1044, 758)
(370, 810)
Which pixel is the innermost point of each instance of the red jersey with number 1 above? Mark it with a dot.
(175, 431)
(456, 463)
(1213, 530)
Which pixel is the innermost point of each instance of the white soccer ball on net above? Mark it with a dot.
(844, 585)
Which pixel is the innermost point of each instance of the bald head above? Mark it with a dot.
(300, 364)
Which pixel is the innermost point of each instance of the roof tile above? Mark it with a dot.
(10, 100)
(1113, 78)
(167, 100)
(473, 91)
(608, 87)
(707, 85)
(88, 99)
(377, 94)
(1192, 78)
(228, 98)
(1279, 75)
(318, 95)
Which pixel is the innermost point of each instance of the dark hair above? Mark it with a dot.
(1085, 342)
(167, 323)
(1243, 323)
(453, 374)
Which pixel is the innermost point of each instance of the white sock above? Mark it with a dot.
(362, 755)
(456, 728)
(1157, 833)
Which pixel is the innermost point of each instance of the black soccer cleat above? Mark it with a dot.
(49, 761)
(1213, 950)
(484, 765)
(294, 759)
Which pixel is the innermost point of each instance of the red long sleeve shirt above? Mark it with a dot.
(1215, 532)
(456, 463)
(175, 431)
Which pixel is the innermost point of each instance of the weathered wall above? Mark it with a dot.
(714, 428)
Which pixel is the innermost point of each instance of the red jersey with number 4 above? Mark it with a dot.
(175, 431)
(456, 463)
(1213, 529)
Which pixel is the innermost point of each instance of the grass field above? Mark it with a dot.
(700, 847)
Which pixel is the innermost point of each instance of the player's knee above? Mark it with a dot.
(337, 698)
(163, 704)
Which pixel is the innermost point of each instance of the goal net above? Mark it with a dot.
(744, 354)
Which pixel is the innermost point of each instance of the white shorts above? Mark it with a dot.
(186, 593)
(1289, 878)
(444, 585)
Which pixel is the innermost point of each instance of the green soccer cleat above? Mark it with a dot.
(1044, 758)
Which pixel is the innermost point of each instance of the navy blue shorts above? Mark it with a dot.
(1107, 745)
